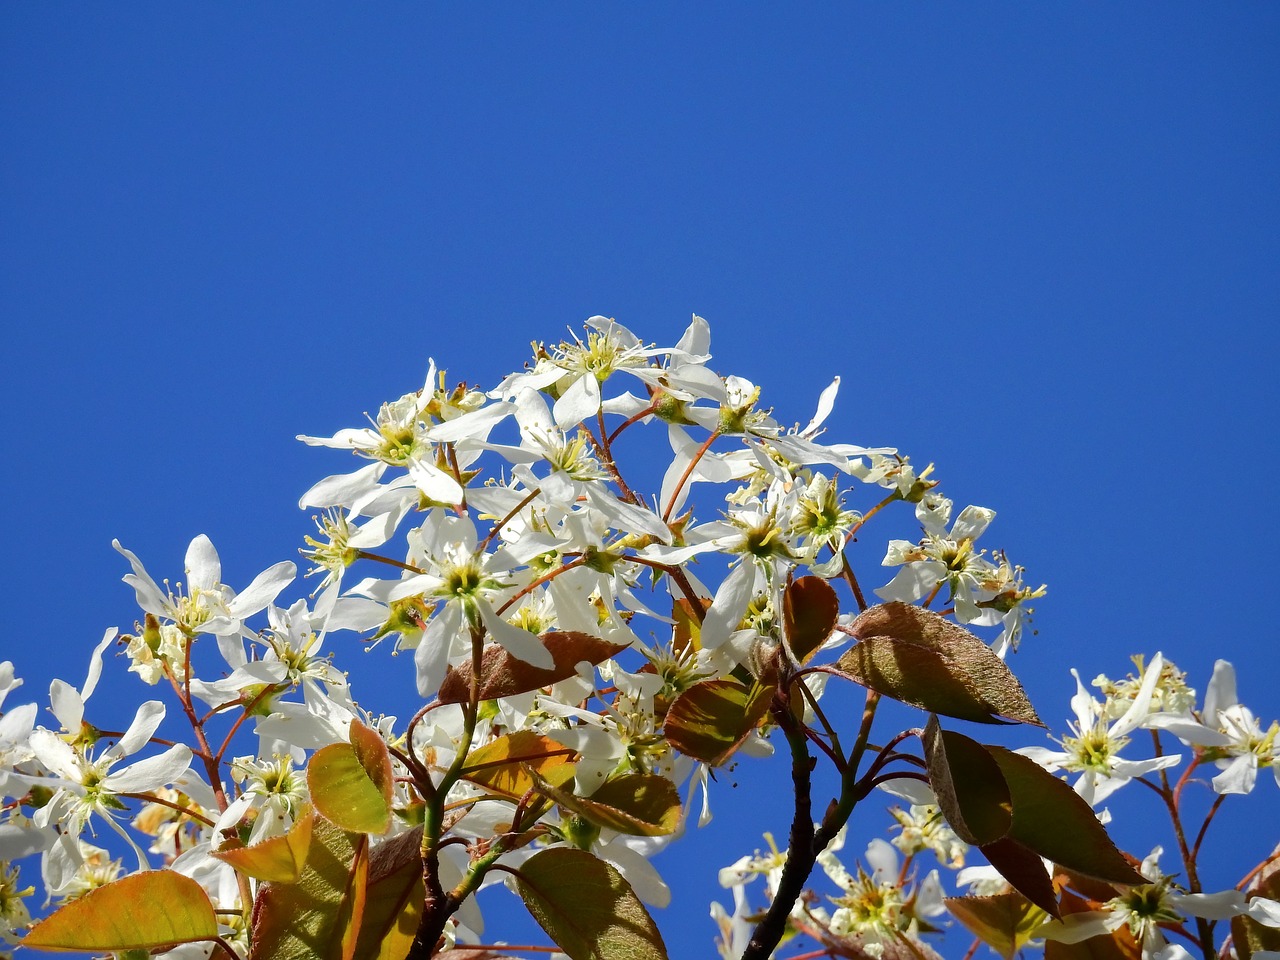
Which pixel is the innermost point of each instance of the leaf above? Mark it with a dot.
(640, 804)
(316, 918)
(500, 766)
(371, 750)
(1054, 821)
(394, 902)
(918, 657)
(157, 908)
(1248, 935)
(1024, 870)
(810, 608)
(971, 790)
(686, 636)
(343, 790)
(1005, 922)
(277, 859)
(503, 675)
(710, 720)
(587, 908)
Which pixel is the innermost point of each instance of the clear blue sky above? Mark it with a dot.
(1039, 242)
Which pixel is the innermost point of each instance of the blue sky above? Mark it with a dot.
(1039, 244)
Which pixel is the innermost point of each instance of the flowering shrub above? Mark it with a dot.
(590, 638)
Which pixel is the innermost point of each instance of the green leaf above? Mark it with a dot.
(587, 908)
(971, 790)
(1024, 870)
(1054, 821)
(343, 790)
(371, 750)
(918, 657)
(156, 908)
(503, 675)
(277, 859)
(810, 608)
(640, 804)
(318, 917)
(710, 720)
(1006, 922)
(503, 766)
(394, 902)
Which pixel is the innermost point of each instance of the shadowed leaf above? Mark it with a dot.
(640, 804)
(710, 720)
(500, 766)
(393, 905)
(688, 625)
(587, 908)
(503, 675)
(1025, 872)
(1005, 922)
(918, 657)
(810, 608)
(316, 918)
(152, 909)
(971, 790)
(277, 859)
(1054, 821)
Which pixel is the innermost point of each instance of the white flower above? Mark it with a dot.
(1093, 751)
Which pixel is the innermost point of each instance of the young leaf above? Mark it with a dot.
(500, 766)
(503, 675)
(971, 790)
(587, 908)
(371, 750)
(1006, 922)
(710, 720)
(316, 918)
(916, 656)
(156, 908)
(1054, 821)
(344, 792)
(640, 804)
(809, 608)
(688, 625)
(393, 905)
(277, 859)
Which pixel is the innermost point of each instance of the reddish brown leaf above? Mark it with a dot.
(503, 675)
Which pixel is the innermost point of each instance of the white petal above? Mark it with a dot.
(1266, 912)
(1212, 906)
(95, 664)
(204, 569)
(151, 773)
(826, 403)
(431, 658)
(342, 489)
(883, 861)
(580, 402)
(913, 581)
(638, 871)
(56, 754)
(475, 425)
(145, 722)
(518, 642)
(1222, 691)
(1141, 705)
(67, 706)
(971, 523)
(1239, 776)
(434, 482)
(265, 587)
(729, 605)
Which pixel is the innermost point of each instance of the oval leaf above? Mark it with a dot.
(587, 908)
(809, 608)
(640, 804)
(1025, 872)
(971, 790)
(343, 791)
(969, 663)
(710, 720)
(503, 766)
(153, 909)
(1054, 821)
(277, 859)
(503, 675)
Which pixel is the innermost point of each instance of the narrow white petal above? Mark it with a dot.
(729, 605)
(1222, 691)
(265, 587)
(151, 773)
(826, 403)
(518, 642)
(145, 722)
(67, 705)
(342, 489)
(95, 664)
